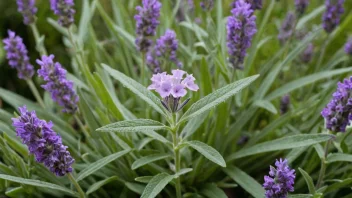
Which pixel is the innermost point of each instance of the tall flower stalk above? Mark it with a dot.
(27, 9)
(64, 10)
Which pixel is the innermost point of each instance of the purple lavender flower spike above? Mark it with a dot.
(301, 6)
(307, 54)
(348, 47)
(147, 21)
(241, 28)
(27, 9)
(43, 142)
(284, 104)
(255, 4)
(173, 87)
(17, 56)
(165, 49)
(338, 112)
(207, 5)
(280, 180)
(60, 88)
(63, 9)
(332, 15)
(287, 27)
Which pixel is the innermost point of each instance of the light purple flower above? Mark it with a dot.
(284, 104)
(165, 50)
(60, 88)
(348, 47)
(338, 112)
(280, 180)
(43, 142)
(27, 9)
(17, 56)
(63, 9)
(287, 27)
(301, 6)
(147, 21)
(255, 4)
(241, 28)
(207, 5)
(332, 15)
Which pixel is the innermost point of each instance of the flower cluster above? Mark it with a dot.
(301, 6)
(332, 15)
(280, 180)
(241, 28)
(43, 142)
(255, 4)
(284, 104)
(348, 47)
(64, 9)
(173, 87)
(28, 10)
(338, 112)
(165, 48)
(207, 5)
(60, 88)
(17, 56)
(147, 20)
(307, 54)
(287, 27)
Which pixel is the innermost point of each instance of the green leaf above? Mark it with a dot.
(99, 184)
(137, 188)
(339, 157)
(300, 196)
(341, 184)
(156, 185)
(207, 151)
(215, 98)
(138, 89)
(245, 181)
(309, 181)
(299, 83)
(37, 183)
(266, 105)
(289, 142)
(100, 164)
(137, 125)
(156, 136)
(15, 192)
(183, 171)
(309, 16)
(144, 179)
(148, 159)
(212, 191)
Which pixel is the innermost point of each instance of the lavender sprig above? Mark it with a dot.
(241, 28)
(43, 142)
(60, 88)
(307, 54)
(301, 6)
(348, 47)
(255, 4)
(207, 5)
(63, 9)
(332, 15)
(287, 27)
(280, 180)
(284, 104)
(17, 56)
(147, 21)
(338, 112)
(27, 9)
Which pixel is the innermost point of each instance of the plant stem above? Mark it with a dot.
(78, 187)
(323, 166)
(40, 47)
(81, 125)
(143, 68)
(177, 164)
(35, 92)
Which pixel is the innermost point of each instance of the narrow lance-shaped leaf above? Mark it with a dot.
(156, 185)
(138, 125)
(309, 181)
(148, 159)
(215, 98)
(99, 184)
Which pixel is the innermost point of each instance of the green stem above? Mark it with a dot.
(177, 164)
(78, 187)
(143, 68)
(40, 47)
(35, 92)
(81, 125)
(323, 166)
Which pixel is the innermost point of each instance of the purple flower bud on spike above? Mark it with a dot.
(301, 6)
(28, 10)
(166, 48)
(63, 9)
(307, 54)
(147, 21)
(287, 27)
(338, 112)
(43, 142)
(348, 47)
(255, 4)
(241, 28)
(173, 87)
(60, 88)
(17, 56)
(280, 180)
(284, 104)
(207, 5)
(332, 15)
